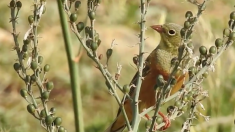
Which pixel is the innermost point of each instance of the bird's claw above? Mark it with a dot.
(166, 120)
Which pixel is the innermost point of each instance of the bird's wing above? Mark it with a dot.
(145, 72)
(133, 83)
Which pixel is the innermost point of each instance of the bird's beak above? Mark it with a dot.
(157, 28)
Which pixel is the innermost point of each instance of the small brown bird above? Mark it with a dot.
(157, 63)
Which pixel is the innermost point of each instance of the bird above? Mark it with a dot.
(157, 63)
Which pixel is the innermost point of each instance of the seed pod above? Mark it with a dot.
(30, 19)
(57, 121)
(27, 79)
(192, 19)
(203, 50)
(91, 15)
(182, 32)
(109, 53)
(18, 4)
(90, 33)
(204, 63)
(232, 15)
(46, 68)
(218, 42)
(53, 110)
(185, 98)
(189, 35)
(73, 17)
(170, 109)
(198, 62)
(26, 41)
(12, 3)
(126, 88)
(188, 14)
(25, 48)
(190, 45)
(43, 113)
(192, 70)
(33, 78)
(31, 108)
(45, 95)
(97, 36)
(80, 26)
(77, 5)
(49, 120)
(135, 60)
(187, 24)
(34, 65)
(99, 42)
(61, 129)
(23, 93)
(160, 81)
(40, 59)
(159, 120)
(190, 95)
(226, 32)
(17, 66)
(173, 81)
(232, 36)
(177, 103)
(98, 1)
(88, 43)
(24, 55)
(185, 108)
(94, 46)
(205, 74)
(49, 86)
(87, 30)
(148, 124)
(230, 22)
(212, 50)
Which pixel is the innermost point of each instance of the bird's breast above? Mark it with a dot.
(162, 62)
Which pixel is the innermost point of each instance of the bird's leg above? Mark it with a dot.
(147, 116)
(166, 120)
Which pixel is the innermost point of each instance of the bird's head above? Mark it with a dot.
(170, 36)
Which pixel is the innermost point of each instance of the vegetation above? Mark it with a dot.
(97, 102)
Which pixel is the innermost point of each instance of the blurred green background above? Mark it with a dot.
(116, 19)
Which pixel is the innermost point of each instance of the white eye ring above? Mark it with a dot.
(171, 32)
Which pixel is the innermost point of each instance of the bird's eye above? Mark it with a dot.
(171, 32)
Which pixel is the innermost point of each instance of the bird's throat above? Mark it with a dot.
(163, 60)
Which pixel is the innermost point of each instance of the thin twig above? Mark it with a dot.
(136, 118)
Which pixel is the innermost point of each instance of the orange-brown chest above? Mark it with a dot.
(160, 64)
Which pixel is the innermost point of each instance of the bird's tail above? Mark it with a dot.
(117, 126)
(119, 123)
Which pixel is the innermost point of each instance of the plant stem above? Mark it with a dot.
(74, 72)
(136, 117)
